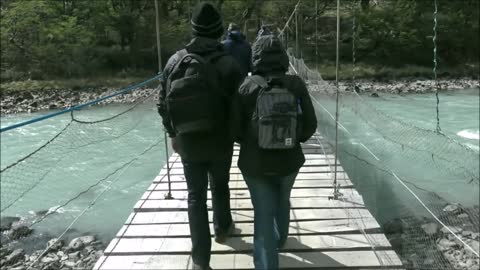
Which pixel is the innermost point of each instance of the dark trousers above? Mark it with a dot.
(197, 175)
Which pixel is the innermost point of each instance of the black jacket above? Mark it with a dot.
(236, 45)
(204, 147)
(271, 63)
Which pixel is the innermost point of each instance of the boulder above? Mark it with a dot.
(75, 245)
(396, 241)
(88, 239)
(431, 229)
(473, 244)
(70, 264)
(19, 231)
(27, 95)
(74, 255)
(50, 258)
(14, 257)
(455, 230)
(55, 244)
(445, 244)
(453, 209)
(393, 226)
(4, 252)
(6, 222)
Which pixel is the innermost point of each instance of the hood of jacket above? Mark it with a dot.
(268, 56)
(203, 45)
(236, 35)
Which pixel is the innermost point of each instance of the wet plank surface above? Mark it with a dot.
(324, 233)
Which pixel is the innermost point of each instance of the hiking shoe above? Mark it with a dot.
(222, 237)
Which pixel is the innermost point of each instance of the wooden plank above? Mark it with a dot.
(308, 145)
(246, 229)
(242, 185)
(166, 217)
(239, 177)
(310, 156)
(182, 245)
(236, 170)
(243, 194)
(243, 204)
(308, 162)
(295, 260)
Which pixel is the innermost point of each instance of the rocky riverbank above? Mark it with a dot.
(398, 87)
(426, 244)
(80, 252)
(31, 101)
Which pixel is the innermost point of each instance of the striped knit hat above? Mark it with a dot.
(206, 21)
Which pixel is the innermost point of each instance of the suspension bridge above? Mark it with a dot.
(333, 226)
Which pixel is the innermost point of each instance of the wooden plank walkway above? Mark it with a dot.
(324, 233)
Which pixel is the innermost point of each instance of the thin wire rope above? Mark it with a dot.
(360, 228)
(316, 35)
(337, 97)
(289, 19)
(81, 106)
(435, 63)
(38, 149)
(354, 37)
(428, 209)
(131, 218)
(124, 167)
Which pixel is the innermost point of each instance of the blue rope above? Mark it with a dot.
(81, 106)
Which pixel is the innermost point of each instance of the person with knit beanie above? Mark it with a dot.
(205, 156)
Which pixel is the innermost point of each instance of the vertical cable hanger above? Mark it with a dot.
(296, 33)
(335, 187)
(159, 53)
(434, 40)
(316, 35)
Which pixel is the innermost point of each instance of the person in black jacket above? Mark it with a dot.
(270, 174)
(236, 45)
(206, 156)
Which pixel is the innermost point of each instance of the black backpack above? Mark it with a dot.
(194, 101)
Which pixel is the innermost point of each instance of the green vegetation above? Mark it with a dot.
(66, 40)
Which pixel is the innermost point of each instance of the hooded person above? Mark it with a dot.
(236, 45)
(272, 114)
(196, 92)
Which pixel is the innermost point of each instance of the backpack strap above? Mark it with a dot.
(260, 81)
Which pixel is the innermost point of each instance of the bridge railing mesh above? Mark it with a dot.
(421, 185)
(76, 182)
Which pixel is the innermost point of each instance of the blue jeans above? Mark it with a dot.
(271, 203)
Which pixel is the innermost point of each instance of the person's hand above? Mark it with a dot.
(174, 145)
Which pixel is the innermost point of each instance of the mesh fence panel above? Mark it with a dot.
(58, 189)
(421, 185)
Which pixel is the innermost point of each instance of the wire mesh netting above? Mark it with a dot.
(81, 181)
(421, 185)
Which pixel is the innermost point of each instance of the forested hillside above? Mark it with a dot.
(59, 39)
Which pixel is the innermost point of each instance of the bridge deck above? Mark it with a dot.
(333, 234)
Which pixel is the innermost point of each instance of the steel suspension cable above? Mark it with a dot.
(159, 53)
(316, 35)
(335, 195)
(435, 63)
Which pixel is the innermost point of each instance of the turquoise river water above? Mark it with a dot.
(459, 115)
